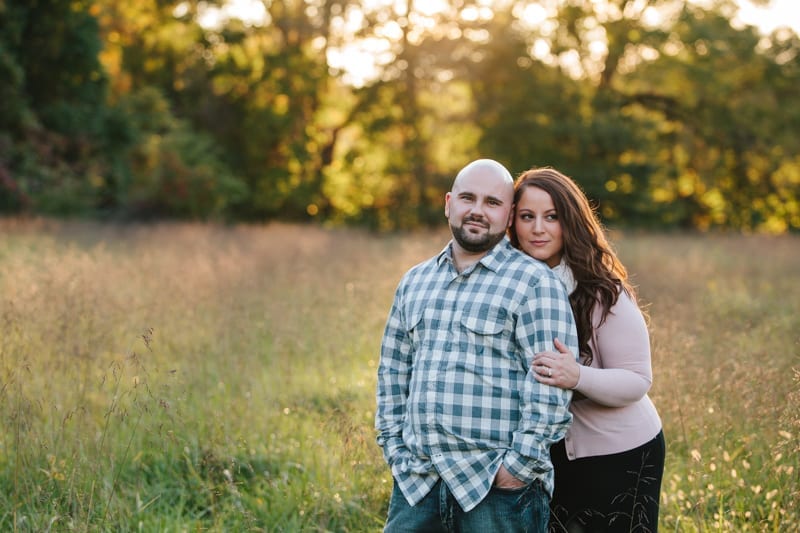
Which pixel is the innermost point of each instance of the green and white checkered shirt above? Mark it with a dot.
(456, 394)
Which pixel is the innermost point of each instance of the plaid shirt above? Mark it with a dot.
(456, 396)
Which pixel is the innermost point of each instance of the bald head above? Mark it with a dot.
(486, 170)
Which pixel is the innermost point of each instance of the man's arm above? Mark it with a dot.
(545, 414)
(394, 373)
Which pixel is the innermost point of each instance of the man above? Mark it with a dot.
(463, 424)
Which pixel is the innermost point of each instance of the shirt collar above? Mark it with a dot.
(493, 260)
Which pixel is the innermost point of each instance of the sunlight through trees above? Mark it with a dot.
(670, 114)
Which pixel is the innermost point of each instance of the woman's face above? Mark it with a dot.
(537, 226)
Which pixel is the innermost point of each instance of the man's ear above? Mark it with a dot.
(447, 205)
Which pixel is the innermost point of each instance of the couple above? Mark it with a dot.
(483, 350)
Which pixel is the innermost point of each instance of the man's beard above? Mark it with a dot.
(475, 243)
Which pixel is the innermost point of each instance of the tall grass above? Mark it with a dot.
(725, 325)
(179, 377)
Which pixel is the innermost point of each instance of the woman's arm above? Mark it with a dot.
(622, 347)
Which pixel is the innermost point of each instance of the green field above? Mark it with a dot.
(187, 377)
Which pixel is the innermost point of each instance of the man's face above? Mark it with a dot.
(479, 209)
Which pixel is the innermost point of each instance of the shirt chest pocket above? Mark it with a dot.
(485, 327)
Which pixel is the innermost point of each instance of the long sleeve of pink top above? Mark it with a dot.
(615, 414)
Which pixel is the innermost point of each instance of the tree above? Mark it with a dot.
(54, 95)
(544, 98)
(726, 105)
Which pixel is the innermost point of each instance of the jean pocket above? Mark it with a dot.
(511, 491)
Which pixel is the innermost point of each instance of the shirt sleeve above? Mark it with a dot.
(545, 414)
(394, 372)
(622, 345)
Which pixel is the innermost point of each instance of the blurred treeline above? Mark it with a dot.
(134, 109)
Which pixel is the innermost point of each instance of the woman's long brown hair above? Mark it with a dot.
(597, 270)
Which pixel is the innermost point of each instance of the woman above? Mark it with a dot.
(608, 468)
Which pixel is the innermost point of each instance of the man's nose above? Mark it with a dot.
(476, 209)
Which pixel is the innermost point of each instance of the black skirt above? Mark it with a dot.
(608, 493)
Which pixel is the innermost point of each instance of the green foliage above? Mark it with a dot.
(691, 124)
(175, 171)
(53, 106)
(13, 107)
(724, 128)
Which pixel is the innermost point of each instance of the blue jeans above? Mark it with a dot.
(524, 510)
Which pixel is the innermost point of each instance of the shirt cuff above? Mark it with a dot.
(522, 468)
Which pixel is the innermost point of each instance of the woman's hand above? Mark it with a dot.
(557, 368)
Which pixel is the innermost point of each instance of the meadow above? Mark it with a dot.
(192, 377)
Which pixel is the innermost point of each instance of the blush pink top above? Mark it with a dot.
(615, 414)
